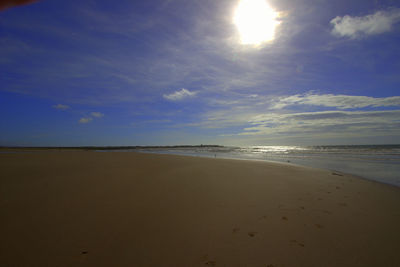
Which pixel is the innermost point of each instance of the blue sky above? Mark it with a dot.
(175, 72)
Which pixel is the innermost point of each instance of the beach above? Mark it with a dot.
(86, 208)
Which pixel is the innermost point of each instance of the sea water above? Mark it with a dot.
(375, 162)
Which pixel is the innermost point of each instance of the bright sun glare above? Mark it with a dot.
(256, 21)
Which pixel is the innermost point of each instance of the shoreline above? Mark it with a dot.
(268, 161)
(5, 150)
(136, 209)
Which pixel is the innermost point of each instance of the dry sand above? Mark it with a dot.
(130, 209)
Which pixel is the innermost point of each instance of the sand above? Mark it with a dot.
(129, 209)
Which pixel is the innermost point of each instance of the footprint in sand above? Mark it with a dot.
(296, 242)
(284, 218)
(342, 204)
(84, 252)
(210, 263)
(235, 230)
(302, 208)
(207, 261)
(337, 187)
(252, 234)
(319, 226)
(338, 174)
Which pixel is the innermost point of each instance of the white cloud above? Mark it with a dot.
(353, 27)
(179, 95)
(85, 120)
(97, 114)
(326, 122)
(61, 107)
(92, 116)
(336, 101)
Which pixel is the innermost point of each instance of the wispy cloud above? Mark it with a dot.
(377, 23)
(179, 95)
(336, 101)
(326, 122)
(97, 114)
(85, 120)
(93, 115)
(218, 65)
(61, 107)
(261, 118)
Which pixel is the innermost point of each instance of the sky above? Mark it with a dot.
(174, 72)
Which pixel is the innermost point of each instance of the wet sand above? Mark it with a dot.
(83, 208)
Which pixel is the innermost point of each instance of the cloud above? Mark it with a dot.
(377, 23)
(337, 101)
(219, 64)
(84, 120)
(4, 4)
(326, 122)
(61, 107)
(93, 115)
(179, 95)
(97, 114)
(223, 119)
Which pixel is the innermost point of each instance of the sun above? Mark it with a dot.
(256, 21)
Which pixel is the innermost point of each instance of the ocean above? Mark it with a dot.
(374, 162)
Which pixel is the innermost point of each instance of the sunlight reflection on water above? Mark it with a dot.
(379, 162)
